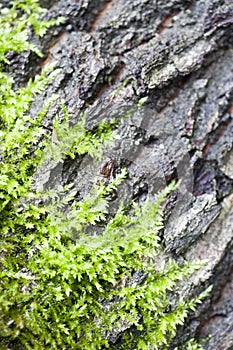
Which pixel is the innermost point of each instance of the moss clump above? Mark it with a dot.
(57, 292)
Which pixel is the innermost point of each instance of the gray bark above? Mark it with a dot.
(180, 55)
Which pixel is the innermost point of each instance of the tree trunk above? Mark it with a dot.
(179, 53)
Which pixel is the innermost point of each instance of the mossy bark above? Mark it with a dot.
(180, 55)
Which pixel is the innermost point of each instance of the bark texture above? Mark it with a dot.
(179, 53)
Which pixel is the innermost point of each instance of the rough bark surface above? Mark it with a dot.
(179, 53)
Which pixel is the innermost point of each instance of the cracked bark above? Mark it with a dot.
(180, 55)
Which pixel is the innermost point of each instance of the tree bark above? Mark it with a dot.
(179, 53)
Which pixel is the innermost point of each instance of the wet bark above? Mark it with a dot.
(179, 53)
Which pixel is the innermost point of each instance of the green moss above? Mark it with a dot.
(57, 292)
(191, 344)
